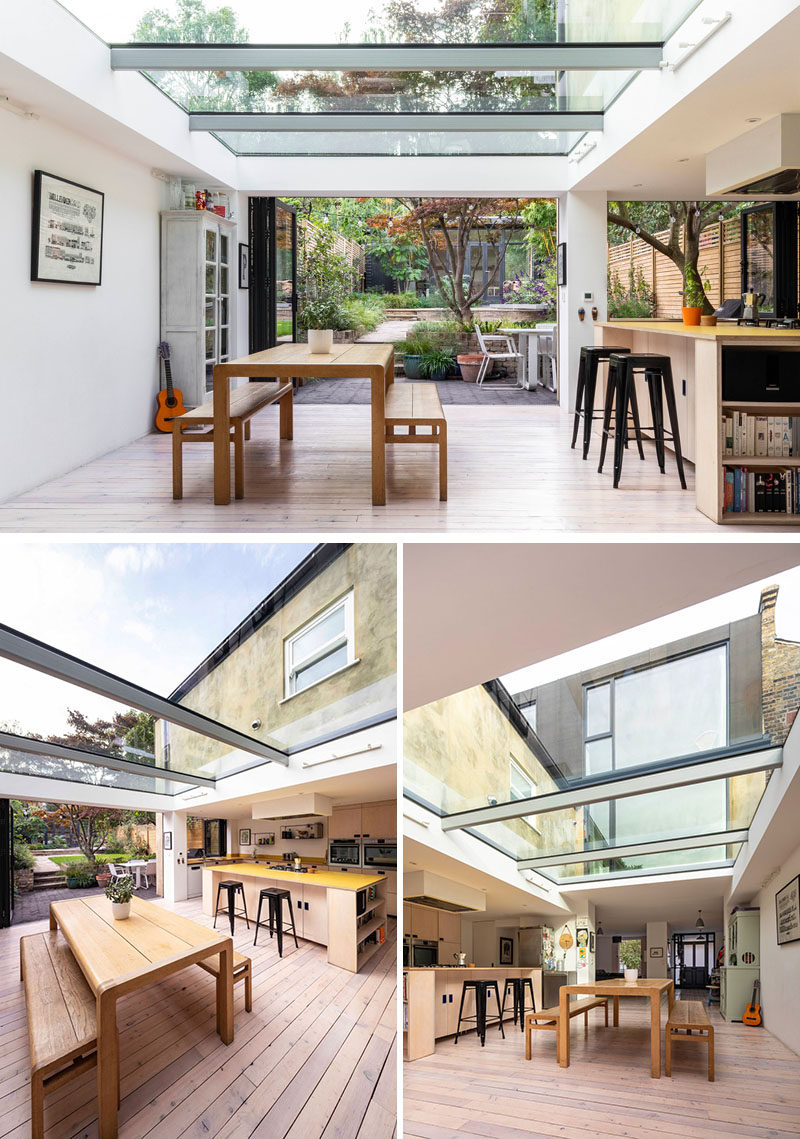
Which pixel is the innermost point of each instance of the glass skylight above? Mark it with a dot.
(398, 143)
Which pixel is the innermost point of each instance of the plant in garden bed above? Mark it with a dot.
(435, 365)
(638, 300)
(80, 874)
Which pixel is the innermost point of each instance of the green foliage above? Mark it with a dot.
(638, 300)
(488, 327)
(324, 281)
(80, 873)
(69, 860)
(655, 217)
(630, 954)
(541, 217)
(694, 289)
(363, 313)
(436, 363)
(28, 827)
(23, 859)
(119, 890)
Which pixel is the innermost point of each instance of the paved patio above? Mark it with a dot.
(35, 906)
(494, 392)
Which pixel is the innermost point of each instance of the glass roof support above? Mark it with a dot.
(632, 850)
(44, 658)
(100, 759)
(390, 120)
(660, 779)
(387, 57)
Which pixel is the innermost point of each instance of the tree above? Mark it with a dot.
(91, 826)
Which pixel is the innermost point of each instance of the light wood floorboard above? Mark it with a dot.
(464, 1090)
(316, 1057)
(509, 469)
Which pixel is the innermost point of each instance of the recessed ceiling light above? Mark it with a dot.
(683, 160)
(754, 119)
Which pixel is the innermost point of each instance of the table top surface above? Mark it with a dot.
(700, 332)
(641, 987)
(110, 951)
(332, 879)
(341, 357)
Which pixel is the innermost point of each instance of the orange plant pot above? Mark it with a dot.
(692, 315)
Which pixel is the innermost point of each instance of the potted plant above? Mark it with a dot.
(630, 955)
(693, 296)
(23, 867)
(321, 316)
(436, 364)
(119, 893)
(469, 363)
(103, 875)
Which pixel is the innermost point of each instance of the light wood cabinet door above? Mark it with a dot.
(315, 914)
(379, 820)
(425, 922)
(441, 1006)
(453, 1003)
(345, 823)
(449, 926)
(406, 919)
(447, 952)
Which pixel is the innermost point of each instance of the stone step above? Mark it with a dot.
(48, 875)
(50, 884)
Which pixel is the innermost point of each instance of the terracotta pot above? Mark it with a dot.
(708, 321)
(691, 316)
(469, 364)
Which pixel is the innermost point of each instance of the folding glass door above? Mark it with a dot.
(273, 273)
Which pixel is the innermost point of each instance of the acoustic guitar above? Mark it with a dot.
(752, 1014)
(170, 402)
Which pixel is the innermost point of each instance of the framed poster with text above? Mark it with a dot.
(67, 237)
(787, 912)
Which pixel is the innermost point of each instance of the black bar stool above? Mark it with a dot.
(275, 899)
(658, 376)
(615, 399)
(517, 986)
(232, 889)
(482, 989)
(591, 356)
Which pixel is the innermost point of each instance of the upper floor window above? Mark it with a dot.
(529, 712)
(320, 647)
(667, 710)
(520, 786)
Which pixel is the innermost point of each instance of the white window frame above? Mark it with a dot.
(345, 638)
(514, 767)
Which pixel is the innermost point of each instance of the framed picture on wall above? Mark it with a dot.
(67, 235)
(561, 263)
(244, 836)
(657, 951)
(244, 266)
(591, 942)
(787, 912)
(506, 951)
(167, 837)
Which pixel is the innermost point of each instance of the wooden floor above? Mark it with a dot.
(511, 468)
(316, 1057)
(464, 1090)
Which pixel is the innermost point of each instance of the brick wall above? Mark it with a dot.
(780, 672)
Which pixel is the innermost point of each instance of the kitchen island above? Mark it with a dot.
(432, 997)
(324, 904)
(702, 359)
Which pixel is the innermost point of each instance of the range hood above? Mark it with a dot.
(293, 807)
(762, 163)
(426, 889)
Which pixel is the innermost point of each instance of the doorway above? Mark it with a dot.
(272, 292)
(693, 958)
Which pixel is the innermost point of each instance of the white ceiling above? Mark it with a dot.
(374, 785)
(627, 907)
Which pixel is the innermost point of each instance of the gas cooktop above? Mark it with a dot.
(786, 322)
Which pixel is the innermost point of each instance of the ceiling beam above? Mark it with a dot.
(387, 57)
(44, 658)
(683, 775)
(633, 850)
(325, 121)
(98, 759)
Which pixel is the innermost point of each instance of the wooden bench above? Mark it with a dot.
(242, 971)
(686, 1018)
(548, 1018)
(413, 406)
(245, 402)
(62, 1017)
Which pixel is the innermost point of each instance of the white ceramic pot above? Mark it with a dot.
(631, 974)
(120, 910)
(320, 340)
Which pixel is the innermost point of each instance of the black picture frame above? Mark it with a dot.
(506, 951)
(657, 951)
(561, 263)
(591, 942)
(245, 836)
(790, 918)
(244, 265)
(167, 840)
(71, 218)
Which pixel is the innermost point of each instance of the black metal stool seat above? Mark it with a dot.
(591, 356)
(517, 986)
(482, 989)
(277, 923)
(658, 376)
(231, 889)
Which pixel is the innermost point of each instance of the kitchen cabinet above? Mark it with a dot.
(736, 990)
(744, 937)
(391, 890)
(407, 919)
(315, 914)
(424, 922)
(449, 926)
(379, 820)
(345, 822)
(447, 952)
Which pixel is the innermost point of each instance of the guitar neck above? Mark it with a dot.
(168, 378)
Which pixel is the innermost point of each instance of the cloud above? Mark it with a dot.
(135, 559)
(139, 629)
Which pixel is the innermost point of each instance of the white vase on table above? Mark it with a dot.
(120, 910)
(631, 974)
(320, 341)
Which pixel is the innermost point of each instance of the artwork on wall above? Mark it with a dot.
(565, 940)
(67, 237)
(582, 941)
(244, 836)
(591, 942)
(787, 912)
(506, 951)
(167, 836)
(657, 951)
(265, 838)
(244, 266)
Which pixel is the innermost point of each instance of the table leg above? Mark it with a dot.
(616, 1012)
(563, 1027)
(53, 922)
(378, 438)
(107, 1065)
(655, 1035)
(222, 442)
(533, 363)
(670, 997)
(225, 994)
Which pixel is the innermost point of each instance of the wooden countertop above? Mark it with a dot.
(718, 332)
(228, 858)
(332, 879)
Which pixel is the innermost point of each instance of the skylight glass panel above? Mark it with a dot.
(398, 143)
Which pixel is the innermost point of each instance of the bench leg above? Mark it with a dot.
(177, 461)
(605, 1006)
(711, 1055)
(248, 989)
(286, 409)
(247, 432)
(586, 1019)
(668, 1053)
(443, 461)
(238, 458)
(37, 1107)
(528, 1035)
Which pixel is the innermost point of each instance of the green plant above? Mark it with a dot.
(23, 859)
(68, 860)
(694, 288)
(638, 300)
(489, 326)
(630, 954)
(80, 873)
(119, 890)
(436, 363)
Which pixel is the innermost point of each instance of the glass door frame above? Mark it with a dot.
(784, 256)
(262, 294)
(6, 864)
(275, 205)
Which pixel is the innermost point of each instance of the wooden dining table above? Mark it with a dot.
(648, 987)
(293, 362)
(120, 956)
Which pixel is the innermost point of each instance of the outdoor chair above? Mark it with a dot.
(148, 872)
(118, 872)
(547, 356)
(510, 354)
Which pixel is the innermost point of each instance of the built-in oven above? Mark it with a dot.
(344, 854)
(418, 952)
(382, 855)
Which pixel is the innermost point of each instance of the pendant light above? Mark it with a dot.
(599, 930)
(699, 924)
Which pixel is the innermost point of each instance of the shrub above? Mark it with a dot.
(80, 873)
(436, 363)
(363, 313)
(23, 859)
(638, 300)
(402, 300)
(120, 890)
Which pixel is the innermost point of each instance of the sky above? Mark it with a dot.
(148, 612)
(694, 619)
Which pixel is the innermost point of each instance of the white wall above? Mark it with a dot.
(780, 964)
(656, 938)
(305, 848)
(582, 224)
(79, 363)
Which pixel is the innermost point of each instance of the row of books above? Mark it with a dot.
(761, 492)
(758, 435)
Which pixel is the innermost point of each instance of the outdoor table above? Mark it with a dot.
(296, 361)
(643, 987)
(118, 957)
(135, 864)
(529, 347)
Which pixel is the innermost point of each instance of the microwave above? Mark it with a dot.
(382, 855)
(344, 854)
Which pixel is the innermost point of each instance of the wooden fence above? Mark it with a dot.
(720, 262)
(350, 250)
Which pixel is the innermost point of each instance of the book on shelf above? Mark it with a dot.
(762, 436)
(761, 492)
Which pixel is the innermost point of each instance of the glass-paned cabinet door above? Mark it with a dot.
(210, 334)
(224, 298)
